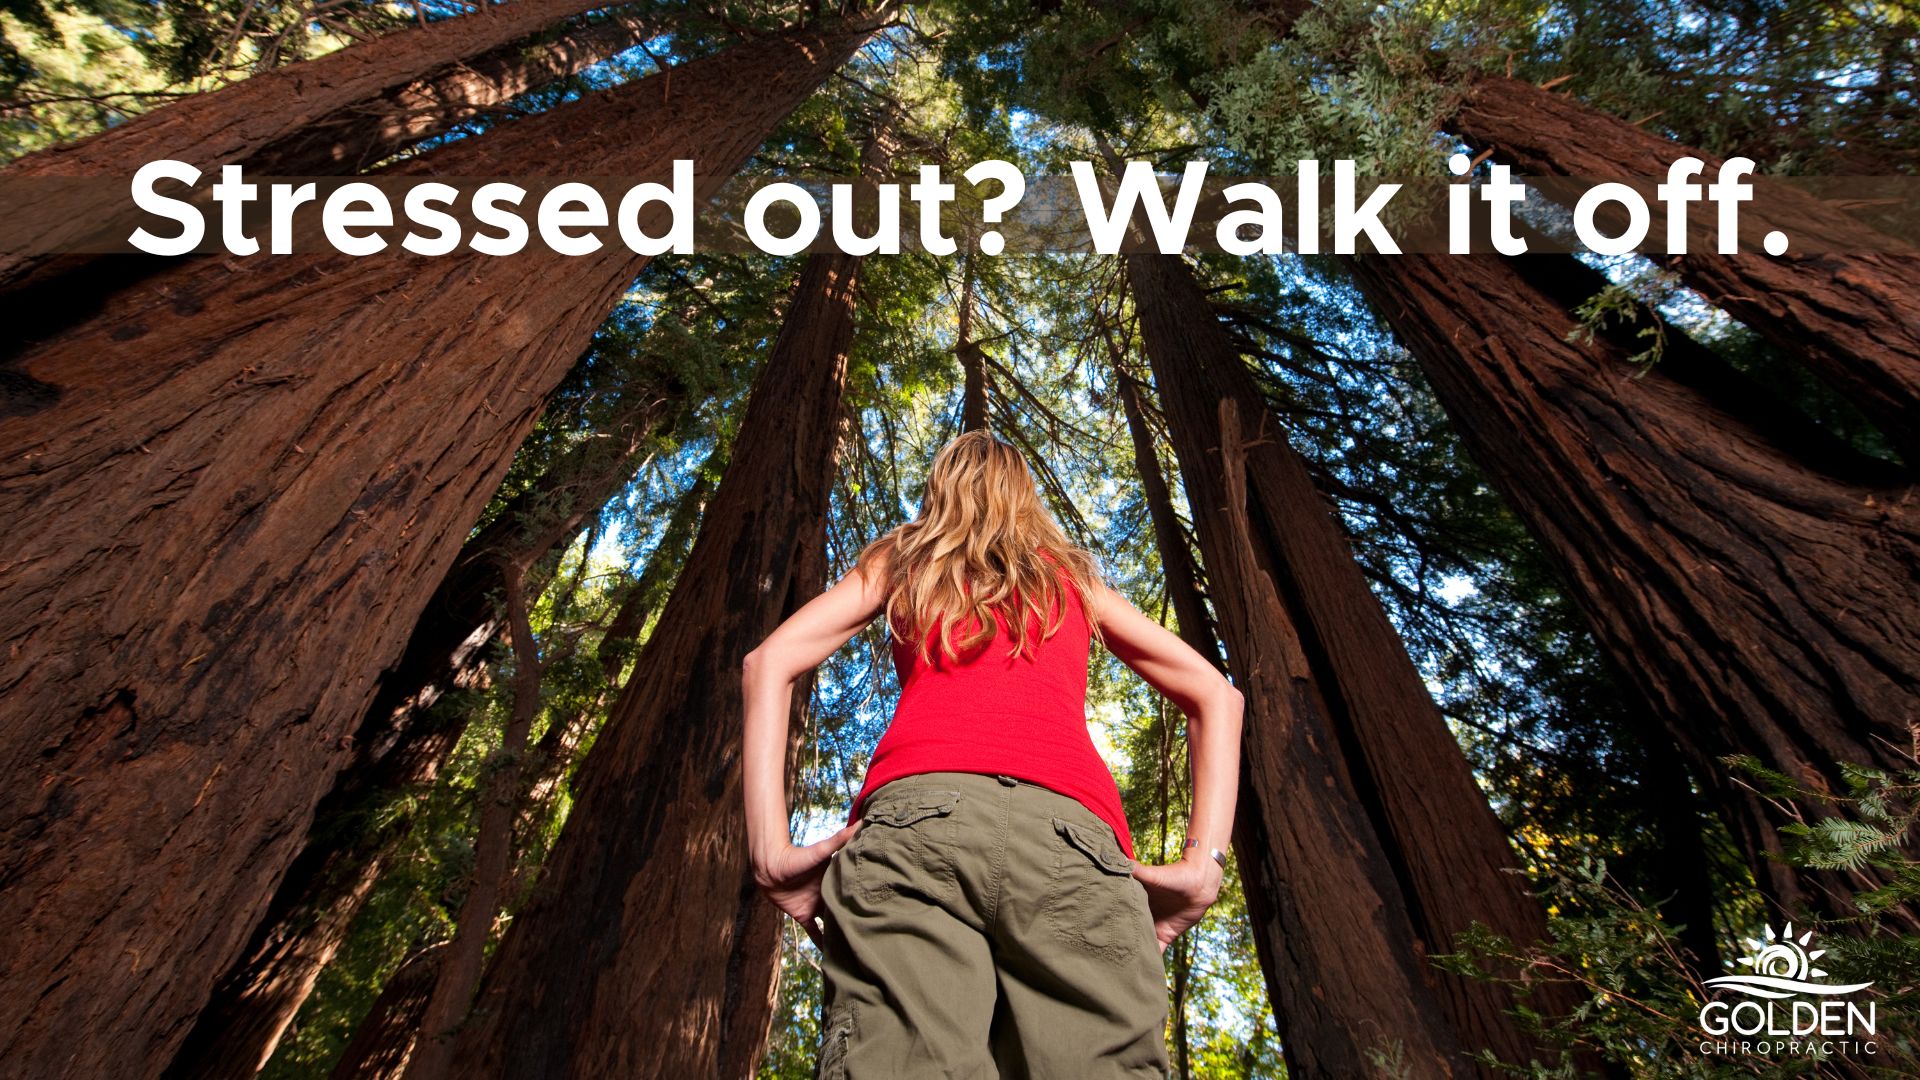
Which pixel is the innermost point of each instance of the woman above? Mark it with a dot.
(986, 917)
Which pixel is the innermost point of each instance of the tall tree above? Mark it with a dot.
(357, 136)
(1845, 307)
(1755, 601)
(464, 960)
(384, 1040)
(647, 950)
(400, 745)
(236, 506)
(1169, 536)
(1181, 575)
(1347, 685)
(646, 596)
(973, 362)
(319, 116)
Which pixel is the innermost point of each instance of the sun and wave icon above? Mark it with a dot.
(1783, 968)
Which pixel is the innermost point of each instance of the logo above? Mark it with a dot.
(1781, 970)
(1796, 1012)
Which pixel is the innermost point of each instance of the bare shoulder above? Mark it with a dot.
(875, 562)
(1104, 601)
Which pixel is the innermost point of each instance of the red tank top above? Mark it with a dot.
(988, 712)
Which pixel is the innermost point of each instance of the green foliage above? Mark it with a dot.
(796, 1011)
(1640, 993)
(1869, 826)
(1802, 88)
(71, 70)
(1621, 303)
(1354, 80)
(1643, 995)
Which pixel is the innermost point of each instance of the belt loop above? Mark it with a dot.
(1005, 779)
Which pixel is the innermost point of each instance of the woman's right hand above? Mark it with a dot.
(791, 876)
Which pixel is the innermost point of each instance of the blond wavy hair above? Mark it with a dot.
(983, 544)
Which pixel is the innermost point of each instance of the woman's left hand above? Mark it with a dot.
(1179, 893)
(791, 877)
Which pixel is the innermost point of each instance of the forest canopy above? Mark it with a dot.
(374, 620)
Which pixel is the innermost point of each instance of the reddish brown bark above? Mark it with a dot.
(449, 642)
(465, 957)
(308, 919)
(1847, 311)
(400, 745)
(973, 363)
(1176, 555)
(1341, 942)
(1450, 858)
(358, 136)
(384, 1040)
(646, 949)
(325, 116)
(232, 514)
(1178, 567)
(1335, 941)
(1758, 605)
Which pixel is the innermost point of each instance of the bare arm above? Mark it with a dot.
(798, 645)
(1212, 706)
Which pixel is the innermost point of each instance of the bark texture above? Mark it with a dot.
(449, 642)
(401, 744)
(1451, 860)
(1758, 605)
(231, 514)
(359, 136)
(464, 960)
(383, 1043)
(311, 912)
(1184, 595)
(324, 116)
(647, 950)
(973, 362)
(1337, 938)
(1848, 312)
(1169, 535)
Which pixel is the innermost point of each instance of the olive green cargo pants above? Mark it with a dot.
(982, 927)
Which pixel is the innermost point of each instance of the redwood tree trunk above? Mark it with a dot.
(358, 136)
(1847, 312)
(1758, 605)
(227, 523)
(1196, 628)
(973, 365)
(1335, 936)
(1176, 555)
(1354, 686)
(309, 917)
(400, 745)
(322, 116)
(449, 642)
(465, 958)
(383, 1042)
(647, 950)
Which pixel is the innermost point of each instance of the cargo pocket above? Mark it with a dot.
(1093, 902)
(906, 846)
(832, 1062)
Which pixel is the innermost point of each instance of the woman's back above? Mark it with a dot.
(988, 711)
